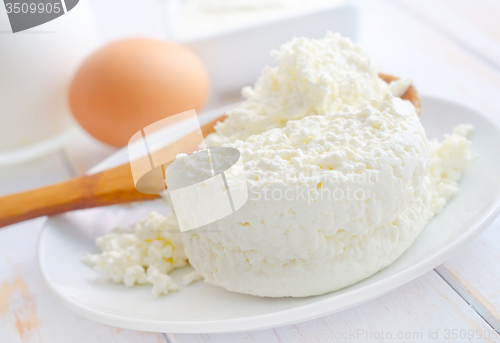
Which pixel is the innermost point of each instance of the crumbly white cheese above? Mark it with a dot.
(447, 161)
(191, 277)
(145, 253)
(312, 77)
(334, 199)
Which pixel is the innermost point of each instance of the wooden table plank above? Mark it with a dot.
(443, 68)
(474, 25)
(423, 310)
(477, 268)
(405, 46)
(30, 313)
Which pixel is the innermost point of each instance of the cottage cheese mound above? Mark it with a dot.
(334, 199)
(312, 77)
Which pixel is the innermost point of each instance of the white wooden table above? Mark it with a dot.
(451, 49)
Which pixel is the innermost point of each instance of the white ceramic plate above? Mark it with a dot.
(203, 308)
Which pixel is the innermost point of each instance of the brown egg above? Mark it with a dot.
(132, 83)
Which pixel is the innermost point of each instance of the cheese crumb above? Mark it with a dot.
(191, 277)
(142, 254)
(447, 161)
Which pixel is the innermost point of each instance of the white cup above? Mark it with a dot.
(36, 67)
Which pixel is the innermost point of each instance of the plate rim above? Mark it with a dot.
(296, 314)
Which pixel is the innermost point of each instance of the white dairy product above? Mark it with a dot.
(145, 253)
(399, 87)
(307, 244)
(333, 199)
(447, 161)
(313, 77)
(191, 277)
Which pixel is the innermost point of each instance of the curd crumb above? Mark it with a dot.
(191, 277)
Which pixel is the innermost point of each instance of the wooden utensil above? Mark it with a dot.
(110, 187)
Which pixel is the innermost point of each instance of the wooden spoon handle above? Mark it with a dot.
(113, 186)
